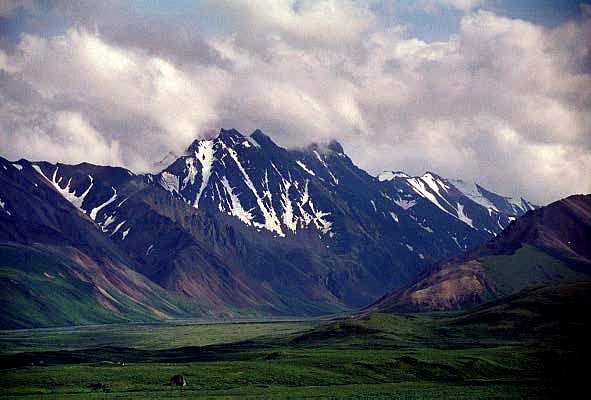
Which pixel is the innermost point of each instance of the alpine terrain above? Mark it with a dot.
(235, 226)
(546, 246)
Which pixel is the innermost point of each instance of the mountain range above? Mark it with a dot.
(235, 226)
(545, 246)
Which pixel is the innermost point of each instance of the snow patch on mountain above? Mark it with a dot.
(118, 227)
(419, 186)
(335, 180)
(305, 168)
(462, 216)
(289, 219)
(234, 205)
(191, 172)
(455, 239)
(519, 204)
(252, 141)
(66, 192)
(426, 228)
(96, 210)
(259, 188)
(435, 184)
(405, 204)
(272, 188)
(108, 221)
(322, 224)
(169, 182)
(394, 216)
(205, 155)
(373, 204)
(3, 207)
(389, 175)
(271, 221)
(471, 191)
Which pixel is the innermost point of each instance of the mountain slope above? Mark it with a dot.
(538, 311)
(316, 199)
(240, 225)
(549, 244)
(173, 246)
(52, 256)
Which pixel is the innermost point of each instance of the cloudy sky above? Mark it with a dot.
(496, 91)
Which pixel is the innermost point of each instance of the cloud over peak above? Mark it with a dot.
(503, 101)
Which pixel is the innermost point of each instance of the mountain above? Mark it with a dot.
(549, 244)
(535, 312)
(469, 202)
(316, 200)
(236, 225)
(57, 267)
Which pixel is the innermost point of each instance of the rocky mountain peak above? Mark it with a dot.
(258, 137)
(240, 221)
(336, 147)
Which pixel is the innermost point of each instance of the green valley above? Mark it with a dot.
(527, 345)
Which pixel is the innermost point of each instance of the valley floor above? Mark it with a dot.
(374, 356)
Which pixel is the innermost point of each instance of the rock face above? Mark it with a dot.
(235, 225)
(549, 244)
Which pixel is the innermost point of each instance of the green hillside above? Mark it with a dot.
(43, 291)
(530, 345)
(526, 267)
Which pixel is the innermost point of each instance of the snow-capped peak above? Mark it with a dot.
(389, 175)
(250, 178)
(285, 191)
(472, 191)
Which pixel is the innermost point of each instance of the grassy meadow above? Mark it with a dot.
(527, 347)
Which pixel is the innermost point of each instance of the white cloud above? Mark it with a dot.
(9, 7)
(306, 23)
(506, 102)
(122, 87)
(81, 139)
(65, 136)
(465, 5)
(462, 5)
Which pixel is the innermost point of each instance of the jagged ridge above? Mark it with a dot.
(240, 223)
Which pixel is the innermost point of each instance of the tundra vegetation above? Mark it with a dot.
(528, 345)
